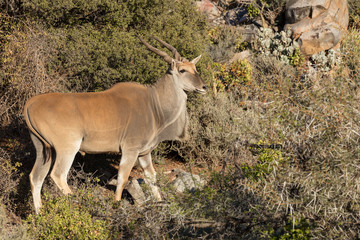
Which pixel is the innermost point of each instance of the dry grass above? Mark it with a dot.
(315, 120)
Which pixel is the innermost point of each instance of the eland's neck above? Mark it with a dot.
(172, 98)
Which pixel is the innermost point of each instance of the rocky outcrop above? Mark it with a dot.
(236, 16)
(318, 25)
(187, 181)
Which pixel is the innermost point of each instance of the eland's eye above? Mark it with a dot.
(182, 71)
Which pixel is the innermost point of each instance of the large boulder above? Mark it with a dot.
(211, 11)
(318, 25)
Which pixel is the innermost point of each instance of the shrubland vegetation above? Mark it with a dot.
(286, 127)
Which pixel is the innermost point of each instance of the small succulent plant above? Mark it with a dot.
(280, 45)
(324, 61)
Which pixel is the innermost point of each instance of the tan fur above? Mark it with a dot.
(188, 66)
(129, 118)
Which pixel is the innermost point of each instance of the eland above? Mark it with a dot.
(129, 118)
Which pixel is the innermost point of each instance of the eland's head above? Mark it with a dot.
(183, 71)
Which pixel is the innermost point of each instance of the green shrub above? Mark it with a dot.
(268, 10)
(89, 46)
(70, 13)
(252, 10)
(64, 218)
(233, 75)
(241, 71)
(294, 229)
(96, 41)
(267, 161)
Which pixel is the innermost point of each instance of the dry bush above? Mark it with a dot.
(25, 70)
(9, 231)
(317, 121)
(312, 182)
(9, 176)
(224, 41)
(215, 122)
(314, 119)
(10, 226)
(211, 130)
(354, 13)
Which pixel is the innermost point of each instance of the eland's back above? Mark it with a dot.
(102, 121)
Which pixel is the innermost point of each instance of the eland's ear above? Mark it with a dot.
(195, 60)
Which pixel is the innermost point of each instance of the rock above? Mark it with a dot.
(179, 185)
(298, 10)
(209, 9)
(249, 33)
(317, 25)
(236, 16)
(113, 182)
(187, 181)
(240, 56)
(135, 190)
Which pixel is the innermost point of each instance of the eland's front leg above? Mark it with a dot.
(127, 162)
(150, 174)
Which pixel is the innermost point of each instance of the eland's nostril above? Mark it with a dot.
(205, 87)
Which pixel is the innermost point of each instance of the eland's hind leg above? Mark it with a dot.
(39, 171)
(150, 174)
(64, 158)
